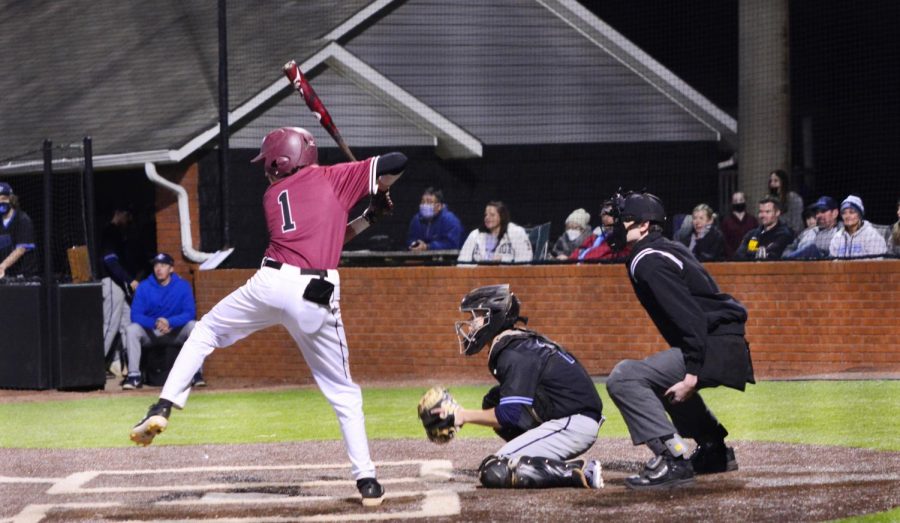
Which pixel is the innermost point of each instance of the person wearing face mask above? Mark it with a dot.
(738, 223)
(434, 227)
(17, 254)
(578, 228)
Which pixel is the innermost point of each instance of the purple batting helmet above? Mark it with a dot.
(287, 150)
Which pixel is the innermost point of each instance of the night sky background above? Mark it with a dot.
(844, 72)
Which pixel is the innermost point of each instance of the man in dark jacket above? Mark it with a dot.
(768, 241)
(434, 227)
(705, 330)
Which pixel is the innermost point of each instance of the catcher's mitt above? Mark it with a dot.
(440, 427)
(379, 205)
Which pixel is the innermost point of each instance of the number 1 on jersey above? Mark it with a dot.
(287, 222)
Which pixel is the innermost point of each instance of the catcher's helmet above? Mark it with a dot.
(493, 308)
(287, 150)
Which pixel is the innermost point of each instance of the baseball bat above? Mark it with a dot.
(301, 84)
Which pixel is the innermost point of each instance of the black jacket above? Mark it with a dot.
(775, 240)
(691, 312)
(709, 248)
(541, 378)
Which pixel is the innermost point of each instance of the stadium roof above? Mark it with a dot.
(141, 77)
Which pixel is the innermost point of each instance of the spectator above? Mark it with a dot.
(123, 260)
(815, 242)
(498, 239)
(859, 237)
(809, 217)
(434, 227)
(596, 246)
(685, 230)
(17, 255)
(705, 242)
(895, 234)
(578, 228)
(768, 241)
(738, 223)
(791, 202)
(163, 310)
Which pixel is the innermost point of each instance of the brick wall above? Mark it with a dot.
(805, 318)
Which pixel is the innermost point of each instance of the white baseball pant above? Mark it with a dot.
(274, 297)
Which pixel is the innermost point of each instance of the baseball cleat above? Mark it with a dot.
(156, 421)
(662, 472)
(593, 474)
(712, 458)
(371, 491)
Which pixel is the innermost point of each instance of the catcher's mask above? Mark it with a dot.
(637, 207)
(493, 309)
(287, 150)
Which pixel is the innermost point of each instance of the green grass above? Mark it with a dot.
(891, 516)
(845, 413)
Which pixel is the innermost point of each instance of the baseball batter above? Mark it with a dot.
(297, 286)
(546, 406)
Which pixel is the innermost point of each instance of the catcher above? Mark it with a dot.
(545, 407)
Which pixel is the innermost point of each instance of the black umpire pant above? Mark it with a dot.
(638, 386)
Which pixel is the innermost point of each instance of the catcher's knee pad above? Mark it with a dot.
(494, 472)
(528, 472)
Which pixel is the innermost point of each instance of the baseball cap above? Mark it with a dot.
(855, 202)
(5, 189)
(825, 203)
(163, 258)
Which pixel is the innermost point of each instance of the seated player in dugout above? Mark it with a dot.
(545, 406)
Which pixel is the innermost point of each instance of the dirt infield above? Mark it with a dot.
(309, 481)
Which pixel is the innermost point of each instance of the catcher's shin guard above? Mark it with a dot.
(494, 472)
(528, 472)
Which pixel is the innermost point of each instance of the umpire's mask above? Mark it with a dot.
(493, 309)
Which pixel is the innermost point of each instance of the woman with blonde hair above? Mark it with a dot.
(705, 241)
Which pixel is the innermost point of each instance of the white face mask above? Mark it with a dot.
(426, 210)
(571, 234)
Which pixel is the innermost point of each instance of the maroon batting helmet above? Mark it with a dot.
(287, 150)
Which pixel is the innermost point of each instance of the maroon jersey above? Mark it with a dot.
(307, 212)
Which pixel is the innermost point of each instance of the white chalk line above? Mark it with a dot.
(435, 503)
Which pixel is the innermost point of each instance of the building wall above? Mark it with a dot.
(805, 318)
(168, 226)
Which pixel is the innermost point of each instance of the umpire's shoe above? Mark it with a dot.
(713, 457)
(154, 422)
(371, 491)
(662, 472)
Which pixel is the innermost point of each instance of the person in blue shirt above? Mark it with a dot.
(163, 307)
(434, 227)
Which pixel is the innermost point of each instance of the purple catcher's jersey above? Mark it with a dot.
(306, 213)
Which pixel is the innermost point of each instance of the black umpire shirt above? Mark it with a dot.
(691, 312)
(539, 381)
(19, 231)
